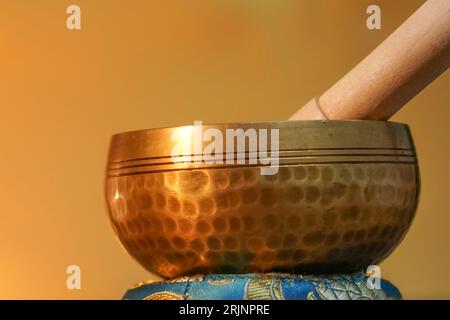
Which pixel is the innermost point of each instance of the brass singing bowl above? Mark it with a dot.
(344, 196)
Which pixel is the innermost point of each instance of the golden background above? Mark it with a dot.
(140, 64)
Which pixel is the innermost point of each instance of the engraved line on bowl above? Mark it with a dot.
(250, 166)
(408, 151)
(116, 167)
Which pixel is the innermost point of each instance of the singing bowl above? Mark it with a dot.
(343, 198)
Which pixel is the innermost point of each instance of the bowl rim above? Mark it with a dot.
(308, 138)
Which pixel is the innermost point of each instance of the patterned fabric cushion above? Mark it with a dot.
(269, 286)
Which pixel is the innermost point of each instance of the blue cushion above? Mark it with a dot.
(269, 286)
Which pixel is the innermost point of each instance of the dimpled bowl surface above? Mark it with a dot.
(344, 196)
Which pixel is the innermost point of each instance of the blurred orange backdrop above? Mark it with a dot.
(139, 64)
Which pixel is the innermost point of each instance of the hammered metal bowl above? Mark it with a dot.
(344, 196)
